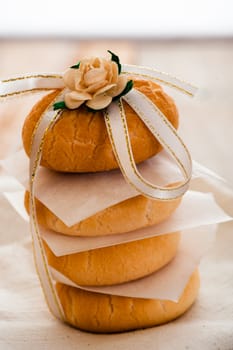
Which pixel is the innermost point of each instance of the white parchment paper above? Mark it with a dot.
(196, 209)
(74, 197)
(169, 282)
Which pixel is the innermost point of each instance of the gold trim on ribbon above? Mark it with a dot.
(26, 91)
(35, 231)
(115, 118)
(153, 130)
(30, 83)
(45, 76)
(159, 76)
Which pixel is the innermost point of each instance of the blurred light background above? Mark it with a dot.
(189, 39)
(119, 18)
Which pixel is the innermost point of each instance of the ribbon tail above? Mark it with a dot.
(118, 133)
(161, 77)
(49, 117)
(30, 83)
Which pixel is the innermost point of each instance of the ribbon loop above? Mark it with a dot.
(162, 129)
(118, 133)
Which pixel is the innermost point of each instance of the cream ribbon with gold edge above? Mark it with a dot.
(159, 126)
(47, 120)
(148, 73)
(166, 134)
(118, 133)
(30, 83)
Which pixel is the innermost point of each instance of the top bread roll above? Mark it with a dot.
(79, 142)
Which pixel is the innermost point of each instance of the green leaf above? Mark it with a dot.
(127, 88)
(59, 105)
(76, 66)
(116, 59)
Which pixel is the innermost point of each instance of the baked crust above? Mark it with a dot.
(79, 142)
(102, 313)
(129, 215)
(117, 264)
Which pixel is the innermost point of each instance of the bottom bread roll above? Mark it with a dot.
(119, 263)
(102, 313)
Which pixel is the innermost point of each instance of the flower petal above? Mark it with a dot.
(99, 102)
(94, 75)
(80, 95)
(96, 62)
(71, 78)
(94, 87)
(72, 103)
(114, 73)
(109, 76)
(104, 89)
(74, 99)
(122, 81)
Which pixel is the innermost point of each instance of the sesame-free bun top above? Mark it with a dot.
(79, 141)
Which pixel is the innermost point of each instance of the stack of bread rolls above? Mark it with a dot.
(79, 143)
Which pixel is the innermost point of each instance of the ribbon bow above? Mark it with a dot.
(116, 125)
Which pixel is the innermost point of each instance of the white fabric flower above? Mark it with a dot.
(95, 82)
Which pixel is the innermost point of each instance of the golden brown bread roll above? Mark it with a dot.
(102, 313)
(79, 141)
(129, 215)
(116, 264)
